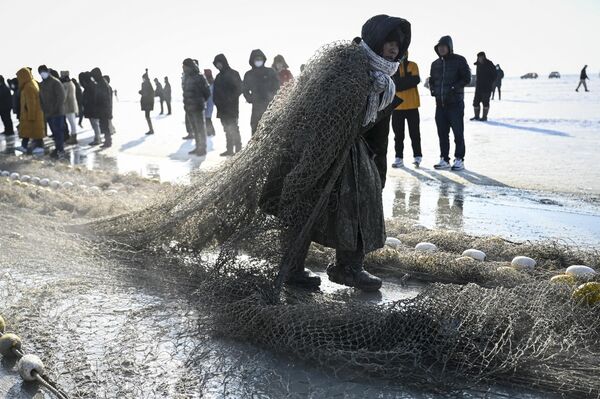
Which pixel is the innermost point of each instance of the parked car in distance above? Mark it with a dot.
(554, 75)
(530, 75)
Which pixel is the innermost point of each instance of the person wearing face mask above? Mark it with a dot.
(167, 94)
(282, 69)
(196, 93)
(226, 96)
(5, 108)
(259, 86)
(52, 98)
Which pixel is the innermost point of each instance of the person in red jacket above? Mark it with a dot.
(282, 69)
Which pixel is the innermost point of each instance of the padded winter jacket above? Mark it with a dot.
(449, 75)
(71, 98)
(147, 93)
(52, 97)
(407, 79)
(32, 123)
(195, 91)
(103, 92)
(260, 84)
(486, 76)
(227, 90)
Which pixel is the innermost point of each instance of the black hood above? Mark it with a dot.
(85, 79)
(222, 59)
(97, 74)
(381, 28)
(447, 40)
(255, 54)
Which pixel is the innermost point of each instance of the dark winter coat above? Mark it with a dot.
(227, 90)
(499, 77)
(147, 99)
(449, 75)
(583, 74)
(159, 91)
(196, 91)
(16, 103)
(167, 91)
(103, 99)
(486, 76)
(260, 84)
(52, 97)
(88, 97)
(5, 98)
(78, 95)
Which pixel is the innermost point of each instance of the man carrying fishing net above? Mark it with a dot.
(313, 172)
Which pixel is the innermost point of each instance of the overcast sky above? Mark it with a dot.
(125, 36)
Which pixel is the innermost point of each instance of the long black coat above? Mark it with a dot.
(260, 84)
(486, 76)
(196, 91)
(5, 99)
(227, 90)
(88, 96)
(449, 75)
(147, 99)
(103, 96)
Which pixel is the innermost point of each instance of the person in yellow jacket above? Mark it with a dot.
(31, 118)
(407, 79)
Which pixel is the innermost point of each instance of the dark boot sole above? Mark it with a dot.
(351, 283)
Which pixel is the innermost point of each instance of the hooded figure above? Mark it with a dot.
(90, 108)
(226, 96)
(196, 93)
(282, 69)
(6, 107)
(259, 86)
(32, 123)
(449, 75)
(104, 105)
(498, 82)
(486, 77)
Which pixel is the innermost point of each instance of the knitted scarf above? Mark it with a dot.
(381, 71)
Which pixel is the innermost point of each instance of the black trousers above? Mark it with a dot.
(232, 133)
(168, 106)
(258, 109)
(411, 116)
(482, 96)
(7, 122)
(451, 117)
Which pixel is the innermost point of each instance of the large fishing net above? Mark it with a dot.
(203, 261)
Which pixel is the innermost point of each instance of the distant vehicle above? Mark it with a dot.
(554, 75)
(530, 75)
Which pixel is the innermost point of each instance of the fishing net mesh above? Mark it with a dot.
(212, 244)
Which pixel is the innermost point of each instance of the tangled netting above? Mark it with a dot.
(507, 328)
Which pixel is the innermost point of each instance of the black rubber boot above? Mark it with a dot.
(476, 117)
(353, 276)
(485, 113)
(304, 278)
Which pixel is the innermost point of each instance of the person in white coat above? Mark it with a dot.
(71, 108)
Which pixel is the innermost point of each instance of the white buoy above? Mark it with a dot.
(14, 176)
(45, 182)
(67, 185)
(94, 190)
(426, 247)
(54, 184)
(393, 242)
(83, 187)
(475, 254)
(25, 178)
(581, 271)
(29, 364)
(523, 263)
(35, 180)
(5, 173)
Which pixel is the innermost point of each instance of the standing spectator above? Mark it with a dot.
(104, 105)
(226, 96)
(5, 108)
(32, 124)
(147, 100)
(210, 106)
(52, 97)
(498, 82)
(282, 68)
(79, 98)
(407, 79)
(582, 78)
(88, 101)
(486, 77)
(71, 108)
(449, 75)
(167, 94)
(159, 92)
(260, 86)
(196, 93)
(113, 131)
